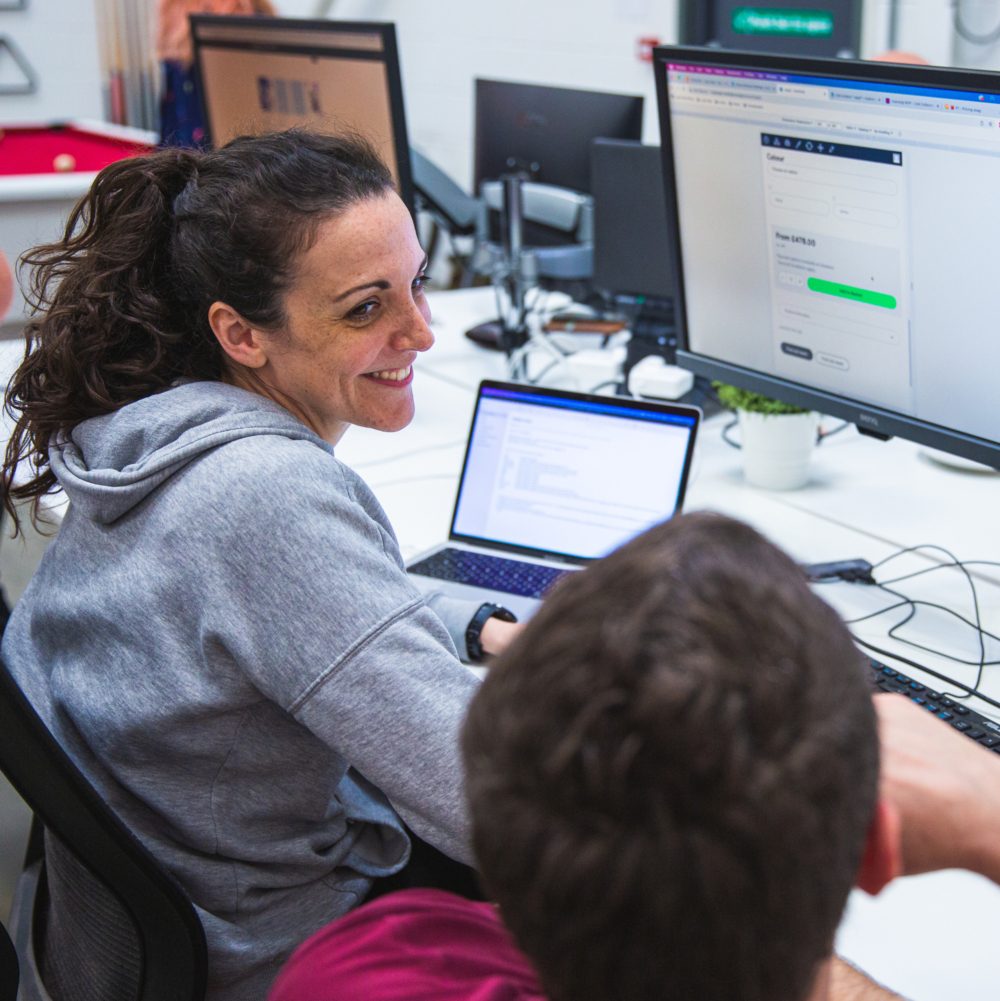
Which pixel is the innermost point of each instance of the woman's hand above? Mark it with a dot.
(497, 635)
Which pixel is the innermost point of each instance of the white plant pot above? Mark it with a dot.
(777, 448)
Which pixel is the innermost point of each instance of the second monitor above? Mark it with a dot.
(633, 255)
(545, 132)
(263, 74)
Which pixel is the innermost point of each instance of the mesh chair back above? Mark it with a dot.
(87, 945)
(111, 924)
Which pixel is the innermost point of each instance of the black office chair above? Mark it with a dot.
(9, 970)
(95, 917)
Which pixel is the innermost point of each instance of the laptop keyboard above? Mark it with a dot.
(974, 725)
(531, 580)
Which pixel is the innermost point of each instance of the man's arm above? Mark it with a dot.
(945, 787)
(847, 983)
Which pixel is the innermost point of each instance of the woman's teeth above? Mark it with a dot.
(392, 374)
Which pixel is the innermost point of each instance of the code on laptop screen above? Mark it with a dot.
(573, 476)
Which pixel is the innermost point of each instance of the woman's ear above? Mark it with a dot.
(882, 860)
(241, 342)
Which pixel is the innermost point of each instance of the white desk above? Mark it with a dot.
(930, 937)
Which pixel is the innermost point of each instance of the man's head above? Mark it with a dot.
(672, 771)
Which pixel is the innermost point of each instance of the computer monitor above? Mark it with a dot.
(837, 226)
(793, 27)
(263, 74)
(546, 132)
(633, 252)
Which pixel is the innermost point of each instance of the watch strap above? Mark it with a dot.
(473, 632)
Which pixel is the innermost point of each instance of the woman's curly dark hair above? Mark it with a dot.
(120, 303)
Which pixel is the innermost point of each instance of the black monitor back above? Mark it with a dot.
(546, 132)
(259, 74)
(633, 256)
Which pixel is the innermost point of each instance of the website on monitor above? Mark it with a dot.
(851, 227)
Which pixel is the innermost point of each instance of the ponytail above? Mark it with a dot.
(120, 303)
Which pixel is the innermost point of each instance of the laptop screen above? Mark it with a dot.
(569, 474)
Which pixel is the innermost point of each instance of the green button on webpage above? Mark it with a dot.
(842, 291)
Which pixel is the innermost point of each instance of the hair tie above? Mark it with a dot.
(182, 202)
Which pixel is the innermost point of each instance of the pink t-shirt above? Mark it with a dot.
(417, 945)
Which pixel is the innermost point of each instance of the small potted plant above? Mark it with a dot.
(777, 437)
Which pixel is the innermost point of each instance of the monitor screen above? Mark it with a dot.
(836, 225)
(266, 74)
(552, 471)
(546, 132)
(632, 248)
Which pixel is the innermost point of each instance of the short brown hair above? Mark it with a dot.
(671, 773)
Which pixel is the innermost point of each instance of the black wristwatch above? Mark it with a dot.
(487, 610)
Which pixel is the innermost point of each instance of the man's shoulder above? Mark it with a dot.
(418, 945)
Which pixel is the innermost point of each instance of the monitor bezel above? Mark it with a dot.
(879, 422)
(389, 56)
(634, 103)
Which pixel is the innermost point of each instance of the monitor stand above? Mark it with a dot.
(492, 335)
(956, 463)
(486, 335)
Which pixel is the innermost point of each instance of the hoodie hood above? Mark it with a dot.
(109, 464)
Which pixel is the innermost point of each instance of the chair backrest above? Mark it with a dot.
(9, 971)
(107, 899)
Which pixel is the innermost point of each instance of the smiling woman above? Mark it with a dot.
(264, 697)
(345, 352)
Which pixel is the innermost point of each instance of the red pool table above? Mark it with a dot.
(35, 198)
(35, 149)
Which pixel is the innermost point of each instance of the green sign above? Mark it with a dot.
(842, 291)
(782, 21)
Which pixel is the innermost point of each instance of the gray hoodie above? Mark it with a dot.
(224, 638)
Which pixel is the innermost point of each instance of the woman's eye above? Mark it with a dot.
(421, 282)
(363, 310)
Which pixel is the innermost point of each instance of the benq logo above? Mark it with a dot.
(868, 419)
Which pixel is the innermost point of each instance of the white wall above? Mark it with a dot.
(59, 39)
(979, 18)
(445, 44)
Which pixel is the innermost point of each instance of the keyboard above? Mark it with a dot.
(974, 725)
(531, 580)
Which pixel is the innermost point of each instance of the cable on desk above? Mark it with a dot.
(730, 441)
(940, 566)
(821, 435)
(912, 604)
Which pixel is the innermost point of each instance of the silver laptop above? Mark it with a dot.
(552, 480)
